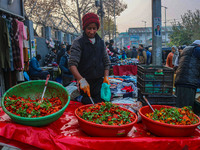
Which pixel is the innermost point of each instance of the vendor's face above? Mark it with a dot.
(91, 30)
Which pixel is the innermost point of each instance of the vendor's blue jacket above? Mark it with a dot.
(64, 66)
(188, 71)
(148, 57)
(34, 66)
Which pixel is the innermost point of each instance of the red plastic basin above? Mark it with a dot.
(164, 129)
(94, 129)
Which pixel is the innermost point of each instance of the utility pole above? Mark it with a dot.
(145, 33)
(156, 32)
(102, 14)
(165, 27)
(115, 24)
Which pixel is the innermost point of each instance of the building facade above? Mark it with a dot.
(141, 35)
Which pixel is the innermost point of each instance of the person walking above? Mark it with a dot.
(142, 54)
(187, 75)
(89, 61)
(171, 57)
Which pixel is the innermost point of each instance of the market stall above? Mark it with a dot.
(65, 133)
(125, 67)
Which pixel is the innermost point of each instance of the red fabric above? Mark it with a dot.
(125, 70)
(90, 18)
(128, 88)
(65, 134)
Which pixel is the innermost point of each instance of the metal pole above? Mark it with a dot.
(101, 10)
(156, 32)
(145, 33)
(115, 24)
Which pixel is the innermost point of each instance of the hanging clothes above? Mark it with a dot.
(21, 37)
(15, 46)
(4, 45)
(26, 46)
(9, 26)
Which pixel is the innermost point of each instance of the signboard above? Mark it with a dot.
(157, 26)
(134, 38)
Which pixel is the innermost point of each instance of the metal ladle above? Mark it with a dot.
(148, 103)
(47, 79)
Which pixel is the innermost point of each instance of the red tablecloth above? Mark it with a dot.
(65, 134)
(125, 70)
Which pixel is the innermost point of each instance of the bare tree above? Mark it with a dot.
(66, 15)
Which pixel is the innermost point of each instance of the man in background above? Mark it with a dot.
(187, 75)
(142, 54)
(50, 58)
(61, 53)
(35, 70)
(67, 76)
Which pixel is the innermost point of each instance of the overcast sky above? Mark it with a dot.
(140, 10)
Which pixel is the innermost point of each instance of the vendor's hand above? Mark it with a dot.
(85, 86)
(106, 80)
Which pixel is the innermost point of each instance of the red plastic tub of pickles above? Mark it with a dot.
(169, 121)
(105, 119)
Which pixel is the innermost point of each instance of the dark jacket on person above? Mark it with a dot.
(50, 58)
(64, 66)
(129, 53)
(34, 66)
(188, 71)
(142, 56)
(60, 54)
(148, 53)
(90, 59)
(112, 49)
(134, 53)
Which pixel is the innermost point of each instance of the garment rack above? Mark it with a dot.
(3, 11)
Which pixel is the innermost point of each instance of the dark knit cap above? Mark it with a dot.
(90, 18)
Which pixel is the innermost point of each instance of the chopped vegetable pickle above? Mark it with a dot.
(174, 116)
(32, 108)
(106, 114)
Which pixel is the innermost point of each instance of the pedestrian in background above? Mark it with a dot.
(148, 53)
(124, 53)
(129, 53)
(67, 76)
(51, 57)
(134, 52)
(180, 50)
(110, 54)
(142, 54)
(112, 49)
(61, 52)
(171, 58)
(187, 75)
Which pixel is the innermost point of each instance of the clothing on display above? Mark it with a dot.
(12, 55)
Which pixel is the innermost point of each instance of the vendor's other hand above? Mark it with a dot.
(85, 86)
(106, 80)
